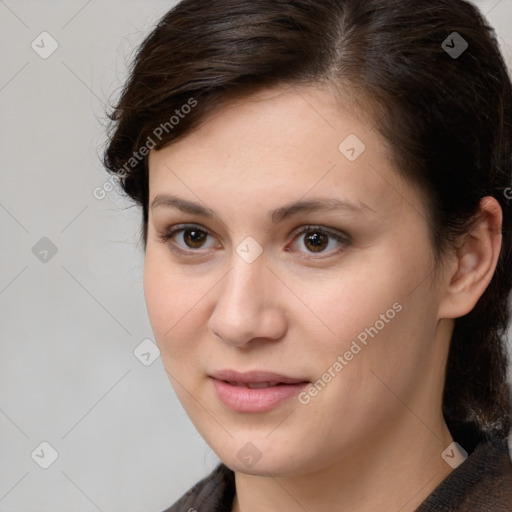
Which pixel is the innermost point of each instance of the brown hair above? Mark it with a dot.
(447, 119)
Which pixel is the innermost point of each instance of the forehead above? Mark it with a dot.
(274, 121)
(276, 143)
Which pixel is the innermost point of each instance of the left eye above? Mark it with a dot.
(319, 240)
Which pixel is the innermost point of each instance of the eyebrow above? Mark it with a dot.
(274, 216)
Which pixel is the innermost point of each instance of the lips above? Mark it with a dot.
(256, 391)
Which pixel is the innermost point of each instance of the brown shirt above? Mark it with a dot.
(482, 483)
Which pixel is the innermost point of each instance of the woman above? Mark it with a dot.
(327, 236)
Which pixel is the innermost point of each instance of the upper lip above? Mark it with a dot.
(255, 376)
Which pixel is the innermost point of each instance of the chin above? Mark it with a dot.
(261, 458)
(278, 469)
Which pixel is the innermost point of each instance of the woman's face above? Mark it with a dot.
(299, 251)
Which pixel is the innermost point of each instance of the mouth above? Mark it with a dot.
(253, 385)
(255, 391)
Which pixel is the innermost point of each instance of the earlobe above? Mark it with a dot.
(475, 261)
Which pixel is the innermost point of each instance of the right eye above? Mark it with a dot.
(187, 239)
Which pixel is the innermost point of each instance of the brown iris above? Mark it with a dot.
(194, 238)
(318, 241)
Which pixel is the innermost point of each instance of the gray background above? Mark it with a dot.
(70, 320)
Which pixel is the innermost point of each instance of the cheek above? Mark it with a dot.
(173, 302)
(350, 302)
(382, 304)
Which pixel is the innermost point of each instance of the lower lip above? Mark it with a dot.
(242, 399)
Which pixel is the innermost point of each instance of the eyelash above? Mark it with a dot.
(340, 237)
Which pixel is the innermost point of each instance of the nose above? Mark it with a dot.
(248, 305)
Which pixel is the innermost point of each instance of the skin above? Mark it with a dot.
(372, 438)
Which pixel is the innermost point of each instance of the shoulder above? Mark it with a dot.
(214, 493)
(482, 483)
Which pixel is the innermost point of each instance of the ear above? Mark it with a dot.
(474, 262)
